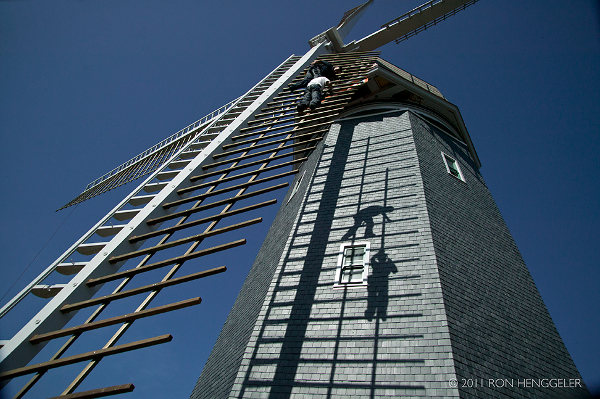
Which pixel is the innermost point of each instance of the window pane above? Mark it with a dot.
(351, 275)
(354, 255)
(353, 264)
(452, 166)
(453, 170)
(359, 253)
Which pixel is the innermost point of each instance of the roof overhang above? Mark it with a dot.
(387, 82)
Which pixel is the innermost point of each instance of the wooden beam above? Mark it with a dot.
(257, 162)
(194, 222)
(98, 393)
(113, 320)
(220, 202)
(294, 137)
(255, 154)
(294, 118)
(150, 287)
(151, 266)
(341, 83)
(291, 106)
(270, 136)
(226, 189)
(197, 237)
(40, 367)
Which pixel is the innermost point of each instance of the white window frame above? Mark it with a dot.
(366, 261)
(296, 187)
(445, 157)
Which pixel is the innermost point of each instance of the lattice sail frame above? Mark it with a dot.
(156, 156)
(261, 139)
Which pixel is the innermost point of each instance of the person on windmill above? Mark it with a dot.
(317, 79)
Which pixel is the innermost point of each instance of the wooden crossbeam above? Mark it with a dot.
(226, 200)
(114, 320)
(296, 121)
(337, 85)
(84, 356)
(287, 101)
(338, 89)
(257, 162)
(191, 211)
(157, 265)
(150, 287)
(231, 188)
(98, 393)
(254, 154)
(291, 103)
(272, 151)
(292, 115)
(253, 131)
(171, 244)
(295, 137)
(269, 136)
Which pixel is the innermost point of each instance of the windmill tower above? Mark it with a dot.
(214, 173)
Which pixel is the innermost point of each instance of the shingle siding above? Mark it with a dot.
(388, 339)
(499, 325)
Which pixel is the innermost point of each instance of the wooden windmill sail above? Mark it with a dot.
(201, 185)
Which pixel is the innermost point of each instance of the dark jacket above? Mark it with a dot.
(320, 68)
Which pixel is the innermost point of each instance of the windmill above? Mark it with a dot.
(166, 150)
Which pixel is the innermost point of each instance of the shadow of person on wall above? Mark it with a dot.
(365, 216)
(377, 286)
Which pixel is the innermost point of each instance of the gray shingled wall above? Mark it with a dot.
(389, 339)
(499, 325)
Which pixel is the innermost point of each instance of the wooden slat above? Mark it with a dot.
(256, 154)
(292, 105)
(98, 393)
(152, 266)
(114, 320)
(197, 237)
(84, 356)
(220, 202)
(294, 137)
(292, 101)
(299, 125)
(295, 122)
(339, 90)
(230, 188)
(338, 85)
(257, 162)
(194, 222)
(291, 115)
(269, 136)
(287, 97)
(150, 287)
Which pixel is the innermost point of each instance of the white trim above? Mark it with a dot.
(296, 187)
(337, 284)
(445, 157)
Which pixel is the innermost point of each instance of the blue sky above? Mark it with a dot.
(86, 85)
